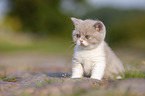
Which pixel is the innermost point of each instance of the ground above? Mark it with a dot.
(40, 74)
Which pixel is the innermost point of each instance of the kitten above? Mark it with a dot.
(92, 56)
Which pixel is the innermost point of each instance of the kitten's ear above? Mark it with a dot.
(76, 21)
(99, 26)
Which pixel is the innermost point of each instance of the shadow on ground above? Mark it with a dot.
(58, 75)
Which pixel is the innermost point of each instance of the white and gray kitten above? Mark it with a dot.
(92, 56)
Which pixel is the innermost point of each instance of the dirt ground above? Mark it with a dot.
(39, 74)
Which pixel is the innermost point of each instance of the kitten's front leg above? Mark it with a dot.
(77, 70)
(99, 68)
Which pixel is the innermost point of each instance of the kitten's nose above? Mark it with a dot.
(81, 41)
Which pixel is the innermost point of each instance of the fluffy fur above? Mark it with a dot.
(92, 56)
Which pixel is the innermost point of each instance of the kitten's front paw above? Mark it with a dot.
(96, 78)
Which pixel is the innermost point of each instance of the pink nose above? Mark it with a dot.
(81, 41)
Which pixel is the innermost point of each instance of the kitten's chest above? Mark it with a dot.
(88, 56)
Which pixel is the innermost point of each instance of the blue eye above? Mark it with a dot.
(78, 35)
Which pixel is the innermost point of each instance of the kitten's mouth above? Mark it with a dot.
(82, 45)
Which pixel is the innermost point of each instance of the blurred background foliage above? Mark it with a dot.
(45, 24)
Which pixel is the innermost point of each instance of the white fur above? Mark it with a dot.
(118, 77)
(85, 43)
(91, 62)
(78, 42)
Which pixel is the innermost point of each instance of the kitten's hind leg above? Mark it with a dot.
(77, 69)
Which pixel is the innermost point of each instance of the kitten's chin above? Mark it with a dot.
(82, 45)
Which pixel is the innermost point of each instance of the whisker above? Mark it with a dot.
(68, 49)
(71, 46)
(69, 42)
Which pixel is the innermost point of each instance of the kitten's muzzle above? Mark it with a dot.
(81, 41)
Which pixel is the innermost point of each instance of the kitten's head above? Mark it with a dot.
(88, 33)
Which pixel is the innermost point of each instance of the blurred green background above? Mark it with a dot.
(45, 25)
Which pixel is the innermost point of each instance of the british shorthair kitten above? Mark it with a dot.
(92, 56)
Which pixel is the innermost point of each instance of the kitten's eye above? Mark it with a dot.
(87, 36)
(78, 35)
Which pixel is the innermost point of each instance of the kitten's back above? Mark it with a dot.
(113, 63)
